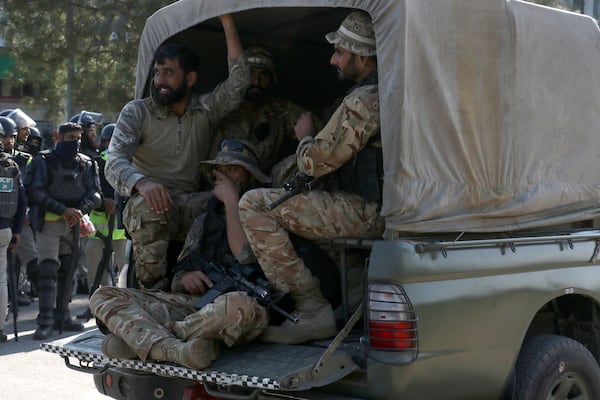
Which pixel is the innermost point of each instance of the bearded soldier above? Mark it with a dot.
(349, 149)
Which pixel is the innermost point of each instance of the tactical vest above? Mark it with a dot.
(214, 239)
(9, 186)
(66, 178)
(363, 174)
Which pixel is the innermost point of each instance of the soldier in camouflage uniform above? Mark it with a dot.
(265, 121)
(157, 145)
(348, 147)
(163, 326)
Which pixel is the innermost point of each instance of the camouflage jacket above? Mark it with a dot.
(150, 141)
(268, 125)
(346, 133)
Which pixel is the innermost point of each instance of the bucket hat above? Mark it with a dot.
(239, 152)
(355, 34)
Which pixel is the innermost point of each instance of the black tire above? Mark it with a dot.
(553, 367)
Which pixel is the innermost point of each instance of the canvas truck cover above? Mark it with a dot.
(490, 109)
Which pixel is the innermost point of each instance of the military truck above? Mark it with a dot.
(486, 282)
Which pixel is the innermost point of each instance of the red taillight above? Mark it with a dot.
(391, 322)
(197, 392)
(108, 380)
(392, 335)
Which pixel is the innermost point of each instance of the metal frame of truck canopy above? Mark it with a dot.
(487, 125)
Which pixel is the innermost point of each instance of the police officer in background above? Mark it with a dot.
(265, 121)
(62, 186)
(34, 141)
(94, 246)
(90, 147)
(13, 204)
(9, 142)
(89, 139)
(24, 124)
(26, 251)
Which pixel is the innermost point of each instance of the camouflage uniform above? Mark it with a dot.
(317, 214)
(150, 141)
(143, 317)
(267, 124)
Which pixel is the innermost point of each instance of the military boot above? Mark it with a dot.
(194, 353)
(115, 347)
(316, 318)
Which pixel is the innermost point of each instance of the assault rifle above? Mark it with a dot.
(239, 277)
(300, 183)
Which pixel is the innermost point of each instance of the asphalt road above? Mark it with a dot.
(30, 373)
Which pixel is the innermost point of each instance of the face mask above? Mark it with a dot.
(67, 150)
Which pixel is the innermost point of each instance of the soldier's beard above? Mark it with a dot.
(255, 93)
(349, 72)
(171, 97)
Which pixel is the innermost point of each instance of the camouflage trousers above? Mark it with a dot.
(312, 215)
(151, 232)
(144, 317)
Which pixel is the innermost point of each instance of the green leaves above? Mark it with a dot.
(100, 45)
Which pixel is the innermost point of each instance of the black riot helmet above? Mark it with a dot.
(34, 141)
(107, 132)
(9, 128)
(87, 118)
(34, 133)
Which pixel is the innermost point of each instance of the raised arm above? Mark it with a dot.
(234, 46)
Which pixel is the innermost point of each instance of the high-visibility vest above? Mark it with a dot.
(100, 221)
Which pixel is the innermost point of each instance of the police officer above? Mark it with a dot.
(349, 147)
(89, 138)
(105, 136)
(13, 204)
(26, 251)
(62, 186)
(34, 141)
(94, 246)
(265, 121)
(90, 147)
(9, 142)
(24, 123)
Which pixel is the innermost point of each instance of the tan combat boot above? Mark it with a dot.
(194, 353)
(316, 319)
(115, 347)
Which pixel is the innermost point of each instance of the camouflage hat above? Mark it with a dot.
(242, 153)
(355, 34)
(260, 57)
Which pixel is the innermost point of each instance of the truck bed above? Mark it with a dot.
(255, 365)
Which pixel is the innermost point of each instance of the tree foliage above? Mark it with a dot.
(100, 46)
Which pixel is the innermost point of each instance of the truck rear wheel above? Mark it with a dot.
(553, 367)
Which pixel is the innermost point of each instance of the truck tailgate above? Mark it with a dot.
(255, 365)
